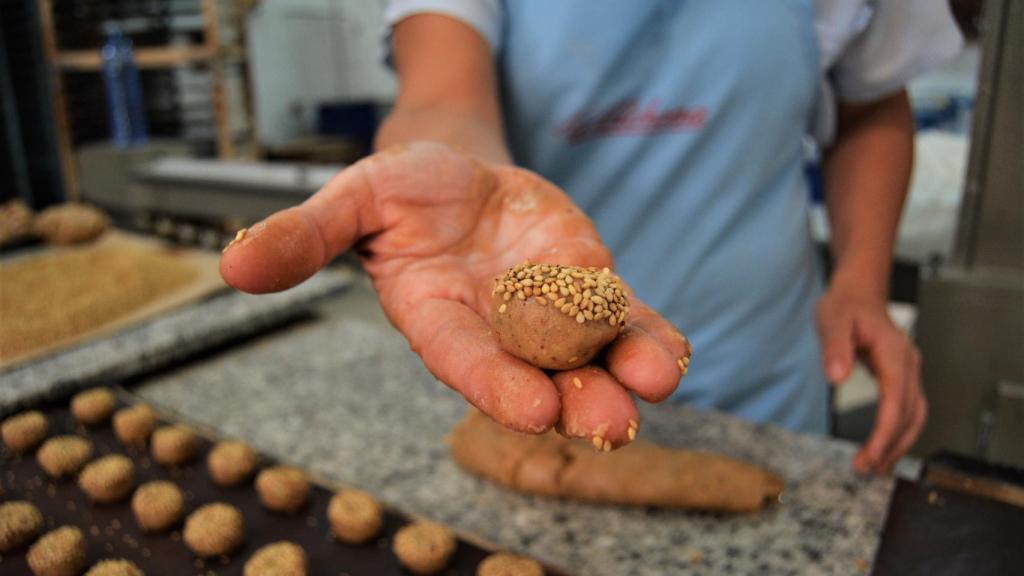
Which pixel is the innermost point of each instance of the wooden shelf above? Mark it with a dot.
(145, 58)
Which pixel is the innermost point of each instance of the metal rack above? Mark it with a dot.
(210, 49)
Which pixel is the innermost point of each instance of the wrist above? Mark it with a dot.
(861, 282)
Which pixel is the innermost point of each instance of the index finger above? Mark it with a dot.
(889, 368)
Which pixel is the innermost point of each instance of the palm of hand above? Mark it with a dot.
(433, 228)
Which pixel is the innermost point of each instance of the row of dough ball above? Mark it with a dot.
(60, 552)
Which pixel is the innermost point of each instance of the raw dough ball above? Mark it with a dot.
(158, 505)
(58, 553)
(557, 317)
(64, 455)
(93, 406)
(424, 547)
(355, 516)
(506, 564)
(174, 445)
(15, 221)
(133, 425)
(231, 462)
(277, 559)
(114, 568)
(70, 223)
(24, 431)
(19, 524)
(214, 529)
(282, 488)
(108, 479)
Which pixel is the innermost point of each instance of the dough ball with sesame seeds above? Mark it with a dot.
(58, 553)
(355, 516)
(24, 431)
(278, 559)
(64, 455)
(20, 522)
(134, 424)
(108, 479)
(557, 317)
(282, 488)
(424, 547)
(506, 564)
(158, 505)
(174, 445)
(93, 406)
(231, 462)
(119, 567)
(214, 529)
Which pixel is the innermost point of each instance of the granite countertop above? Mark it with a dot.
(344, 397)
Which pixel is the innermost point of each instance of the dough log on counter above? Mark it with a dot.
(641, 474)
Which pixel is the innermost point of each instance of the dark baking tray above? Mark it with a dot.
(930, 530)
(111, 531)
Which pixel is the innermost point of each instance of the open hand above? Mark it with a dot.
(434, 228)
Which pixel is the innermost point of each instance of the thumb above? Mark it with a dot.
(836, 332)
(292, 245)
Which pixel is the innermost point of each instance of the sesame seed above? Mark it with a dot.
(607, 446)
(597, 441)
(574, 358)
(542, 300)
(507, 296)
(502, 308)
(560, 302)
(521, 295)
(580, 318)
(682, 366)
(631, 432)
(577, 383)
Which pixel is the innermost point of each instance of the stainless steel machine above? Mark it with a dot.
(971, 319)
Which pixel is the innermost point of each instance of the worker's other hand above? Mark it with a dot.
(434, 228)
(850, 326)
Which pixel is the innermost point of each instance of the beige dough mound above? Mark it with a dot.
(231, 462)
(58, 553)
(15, 221)
(355, 516)
(24, 431)
(174, 445)
(557, 317)
(71, 223)
(64, 455)
(20, 522)
(108, 479)
(214, 529)
(93, 406)
(278, 559)
(424, 547)
(641, 474)
(115, 568)
(282, 488)
(506, 564)
(158, 505)
(134, 424)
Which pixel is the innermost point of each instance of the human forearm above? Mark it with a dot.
(867, 173)
(460, 129)
(447, 89)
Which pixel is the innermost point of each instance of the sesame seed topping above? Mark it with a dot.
(598, 442)
(502, 308)
(607, 446)
(577, 383)
(583, 294)
(631, 432)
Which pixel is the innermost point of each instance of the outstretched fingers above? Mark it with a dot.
(650, 356)
(460, 349)
(596, 408)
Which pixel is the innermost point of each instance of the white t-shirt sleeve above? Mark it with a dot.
(484, 16)
(872, 48)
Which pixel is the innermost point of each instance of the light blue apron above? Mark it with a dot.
(677, 126)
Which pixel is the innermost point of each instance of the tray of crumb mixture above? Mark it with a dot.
(104, 485)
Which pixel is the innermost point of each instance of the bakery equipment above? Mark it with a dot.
(971, 321)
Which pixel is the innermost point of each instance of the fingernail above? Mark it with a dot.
(835, 370)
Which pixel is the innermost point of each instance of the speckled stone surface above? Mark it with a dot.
(346, 399)
(159, 342)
